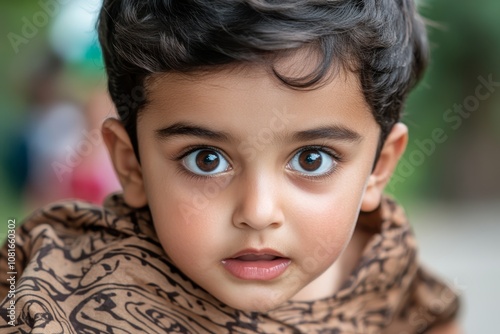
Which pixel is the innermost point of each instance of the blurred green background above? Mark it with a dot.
(465, 44)
(451, 169)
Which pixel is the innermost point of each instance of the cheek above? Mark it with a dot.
(186, 221)
(325, 221)
(324, 238)
(184, 234)
(326, 226)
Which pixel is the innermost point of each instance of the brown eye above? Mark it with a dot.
(310, 160)
(205, 162)
(313, 162)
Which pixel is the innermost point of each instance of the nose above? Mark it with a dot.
(258, 202)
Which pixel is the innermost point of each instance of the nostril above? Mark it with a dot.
(257, 225)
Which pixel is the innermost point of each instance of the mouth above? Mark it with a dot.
(260, 265)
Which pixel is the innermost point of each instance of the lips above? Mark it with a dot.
(255, 257)
(251, 264)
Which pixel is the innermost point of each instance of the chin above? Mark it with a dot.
(255, 306)
(262, 302)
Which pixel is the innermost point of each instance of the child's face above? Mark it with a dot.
(255, 188)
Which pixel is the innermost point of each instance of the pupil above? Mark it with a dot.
(310, 160)
(207, 161)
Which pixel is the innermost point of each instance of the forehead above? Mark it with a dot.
(242, 99)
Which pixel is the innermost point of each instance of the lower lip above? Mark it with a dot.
(256, 270)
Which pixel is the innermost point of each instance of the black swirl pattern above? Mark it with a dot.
(85, 269)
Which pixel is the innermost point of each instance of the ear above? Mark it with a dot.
(390, 154)
(125, 162)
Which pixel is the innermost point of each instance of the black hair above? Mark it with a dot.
(384, 41)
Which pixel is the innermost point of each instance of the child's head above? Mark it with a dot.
(251, 128)
(382, 41)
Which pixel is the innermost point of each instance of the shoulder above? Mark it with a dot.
(76, 258)
(76, 219)
(69, 228)
(65, 215)
(422, 300)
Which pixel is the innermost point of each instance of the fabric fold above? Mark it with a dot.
(85, 269)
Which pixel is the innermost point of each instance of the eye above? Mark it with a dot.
(205, 162)
(313, 162)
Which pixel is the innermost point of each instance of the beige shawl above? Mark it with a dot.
(85, 269)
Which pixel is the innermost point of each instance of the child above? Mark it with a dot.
(254, 143)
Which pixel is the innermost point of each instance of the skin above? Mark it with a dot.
(264, 198)
(449, 328)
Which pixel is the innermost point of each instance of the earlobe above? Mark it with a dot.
(125, 162)
(390, 154)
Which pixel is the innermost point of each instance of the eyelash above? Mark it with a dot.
(338, 158)
(193, 176)
(187, 151)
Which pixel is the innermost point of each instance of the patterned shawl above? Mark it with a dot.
(85, 269)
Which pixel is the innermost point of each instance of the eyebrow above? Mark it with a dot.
(188, 129)
(335, 132)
